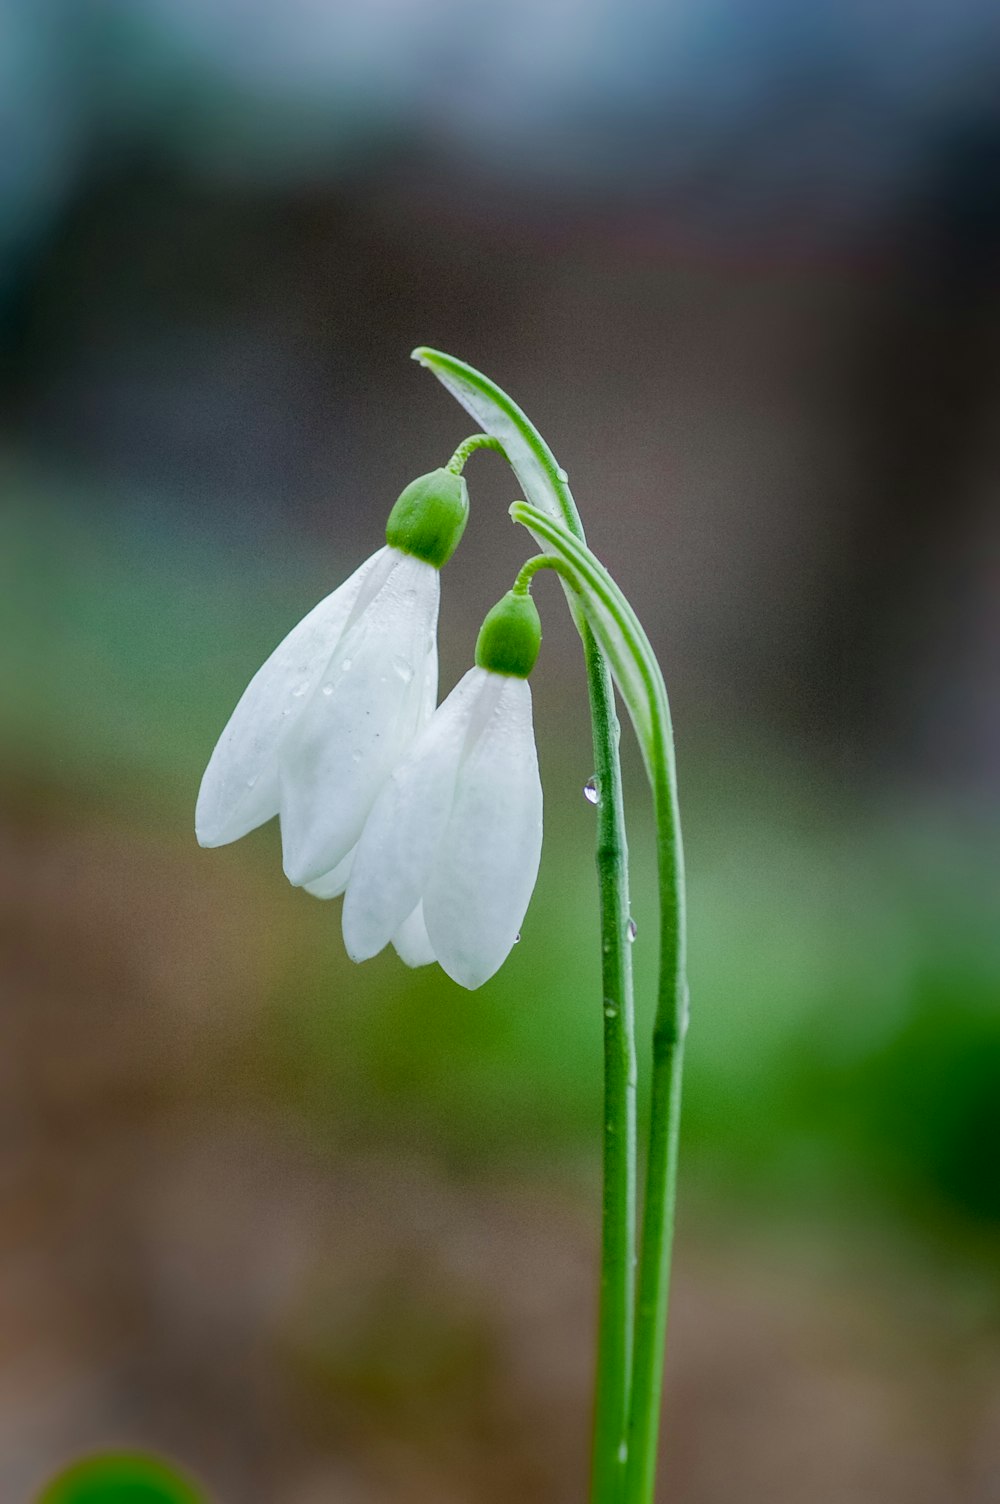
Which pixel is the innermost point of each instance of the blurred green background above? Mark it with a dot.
(327, 1232)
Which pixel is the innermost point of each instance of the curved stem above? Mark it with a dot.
(469, 446)
(641, 683)
(531, 567)
(545, 482)
(616, 1308)
(664, 1133)
(616, 1316)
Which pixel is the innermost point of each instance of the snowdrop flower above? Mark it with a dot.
(322, 724)
(448, 856)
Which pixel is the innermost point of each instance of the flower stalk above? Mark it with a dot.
(428, 818)
(638, 676)
(546, 484)
(468, 447)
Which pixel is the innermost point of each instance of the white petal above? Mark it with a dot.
(358, 721)
(412, 941)
(332, 884)
(402, 833)
(487, 863)
(240, 788)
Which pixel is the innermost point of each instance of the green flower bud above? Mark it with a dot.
(429, 518)
(510, 636)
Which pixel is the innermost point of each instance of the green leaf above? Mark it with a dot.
(121, 1478)
(543, 482)
(613, 623)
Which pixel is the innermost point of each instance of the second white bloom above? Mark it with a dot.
(448, 857)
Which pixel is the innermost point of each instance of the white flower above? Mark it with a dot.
(448, 857)
(323, 722)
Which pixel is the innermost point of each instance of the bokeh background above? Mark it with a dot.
(328, 1233)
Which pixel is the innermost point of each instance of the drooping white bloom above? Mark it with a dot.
(448, 857)
(323, 722)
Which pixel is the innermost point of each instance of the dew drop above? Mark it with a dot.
(610, 1010)
(300, 688)
(631, 929)
(347, 665)
(328, 689)
(562, 474)
(623, 1452)
(517, 938)
(355, 757)
(403, 669)
(591, 792)
(287, 710)
(251, 781)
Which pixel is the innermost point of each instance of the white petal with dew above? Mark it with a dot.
(362, 714)
(240, 788)
(487, 862)
(333, 883)
(403, 831)
(412, 941)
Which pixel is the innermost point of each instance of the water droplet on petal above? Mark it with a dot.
(355, 757)
(251, 781)
(632, 929)
(591, 792)
(347, 665)
(287, 710)
(403, 669)
(328, 689)
(300, 688)
(562, 474)
(517, 938)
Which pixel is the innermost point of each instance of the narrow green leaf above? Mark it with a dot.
(613, 623)
(541, 479)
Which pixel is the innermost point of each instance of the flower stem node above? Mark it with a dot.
(429, 518)
(510, 636)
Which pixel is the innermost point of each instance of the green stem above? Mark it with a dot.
(543, 481)
(640, 681)
(469, 446)
(616, 1307)
(661, 1169)
(528, 570)
(616, 1311)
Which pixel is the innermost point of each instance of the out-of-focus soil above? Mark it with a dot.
(182, 1267)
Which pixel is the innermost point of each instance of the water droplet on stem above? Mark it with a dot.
(591, 792)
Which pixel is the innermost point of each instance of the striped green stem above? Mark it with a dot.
(638, 676)
(547, 486)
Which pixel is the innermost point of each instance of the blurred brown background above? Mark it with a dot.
(328, 1233)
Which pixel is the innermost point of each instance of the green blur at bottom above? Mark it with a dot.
(121, 1478)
